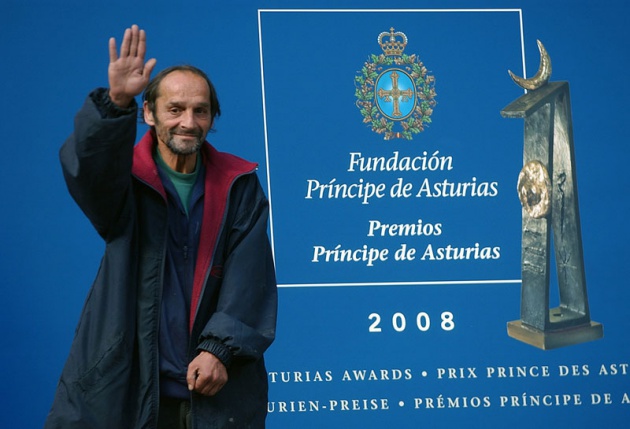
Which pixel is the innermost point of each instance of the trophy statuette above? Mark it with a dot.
(547, 189)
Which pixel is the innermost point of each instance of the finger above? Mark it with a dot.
(135, 37)
(215, 388)
(148, 67)
(191, 378)
(124, 46)
(113, 55)
(203, 383)
(142, 44)
(208, 387)
(209, 390)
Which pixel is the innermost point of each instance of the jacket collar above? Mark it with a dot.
(221, 167)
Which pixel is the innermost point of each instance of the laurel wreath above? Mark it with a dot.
(425, 90)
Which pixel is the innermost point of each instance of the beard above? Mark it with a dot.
(184, 143)
(179, 146)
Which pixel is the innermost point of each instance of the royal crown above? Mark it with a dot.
(392, 43)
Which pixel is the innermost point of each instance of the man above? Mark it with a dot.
(184, 304)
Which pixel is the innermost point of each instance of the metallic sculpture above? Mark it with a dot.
(547, 189)
(541, 77)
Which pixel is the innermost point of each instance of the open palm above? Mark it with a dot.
(128, 73)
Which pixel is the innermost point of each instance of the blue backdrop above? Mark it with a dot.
(396, 343)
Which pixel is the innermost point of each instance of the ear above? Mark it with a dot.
(148, 114)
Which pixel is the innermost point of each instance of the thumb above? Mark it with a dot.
(148, 67)
(191, 377)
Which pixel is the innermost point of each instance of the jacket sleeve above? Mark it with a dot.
(96, 159)
(244, 323)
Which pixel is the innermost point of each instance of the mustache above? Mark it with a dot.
(190, 133)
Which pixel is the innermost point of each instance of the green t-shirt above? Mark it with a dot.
(183, 182)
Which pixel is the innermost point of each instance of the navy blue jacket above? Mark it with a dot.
(111, 377)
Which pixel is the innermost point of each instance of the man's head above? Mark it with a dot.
(180, 103)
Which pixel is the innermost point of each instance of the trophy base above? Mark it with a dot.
(556, 338)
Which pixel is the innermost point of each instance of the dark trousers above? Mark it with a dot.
(174, 414)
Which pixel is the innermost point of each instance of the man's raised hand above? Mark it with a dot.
(128, 73)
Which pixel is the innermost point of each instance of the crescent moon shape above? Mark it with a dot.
(542, 75)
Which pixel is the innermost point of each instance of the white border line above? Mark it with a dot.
(266, 138)
(264, 107)
(386, 10)
(381, 284)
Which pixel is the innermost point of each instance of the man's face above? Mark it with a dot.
(182, 116)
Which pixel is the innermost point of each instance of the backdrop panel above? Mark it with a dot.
(394, 293)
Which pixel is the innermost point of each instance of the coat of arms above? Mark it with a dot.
(394, 91)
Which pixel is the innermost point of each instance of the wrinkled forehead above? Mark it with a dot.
(184, 86)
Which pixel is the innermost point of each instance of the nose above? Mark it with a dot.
(187, 119)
